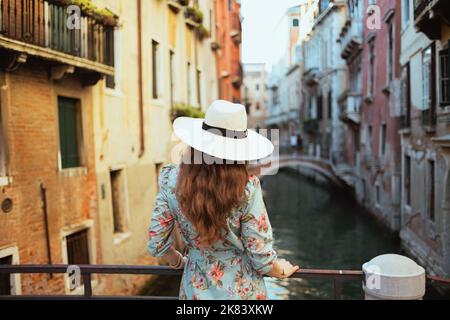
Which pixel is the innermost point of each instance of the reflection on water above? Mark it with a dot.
(320, 228)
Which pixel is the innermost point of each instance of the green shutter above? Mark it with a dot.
(68, 132)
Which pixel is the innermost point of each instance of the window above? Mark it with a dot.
(258, 106)
(78, 248)
(155, 67)
(406, 95)
(371, 71)
(110, 56)
(189, 85)
(428, 78)
(70, 129)
(230, 5)
(405, 13)
(369, 141)
(5, 279)
(378, 194)
(330, 105)
(172, 76)
(444, 78)
(383, 139)
(407, 182)
(257, 87)
(119, 200)
(319, 107)
(295, 23)
(199, 87)
(431, 190)
(390, 62)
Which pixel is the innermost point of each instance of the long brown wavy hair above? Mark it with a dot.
(207, 194)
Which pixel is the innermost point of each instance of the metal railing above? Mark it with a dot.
(44, 23)
(336, 276)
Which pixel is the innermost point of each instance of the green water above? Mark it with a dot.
(321, 228)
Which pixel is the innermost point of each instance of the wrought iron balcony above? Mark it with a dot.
(429, 15)
(39, 28)
(429, 118)
(405, 122)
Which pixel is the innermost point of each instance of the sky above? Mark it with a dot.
(264, 28)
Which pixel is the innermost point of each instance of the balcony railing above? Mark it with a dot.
(337, 277)
(43, 24)
(429, 118)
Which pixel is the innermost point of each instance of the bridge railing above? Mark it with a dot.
(336, 276)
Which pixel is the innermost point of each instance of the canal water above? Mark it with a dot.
(319, 227)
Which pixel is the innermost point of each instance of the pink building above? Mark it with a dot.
(380, 164)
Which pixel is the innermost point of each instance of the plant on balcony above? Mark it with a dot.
(194, 14)
(202, 32)
(101, 16)
(185, 110)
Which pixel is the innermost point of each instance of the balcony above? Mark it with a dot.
(38, 28)
(236, 28)
(311, 77)
(351, 108)
(429, 15)
(238, 75)
(405, 122)
(429, 119)
(177, 5)
(351, 39)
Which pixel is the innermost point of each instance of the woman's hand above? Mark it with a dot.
(174, 259)
(282, 269)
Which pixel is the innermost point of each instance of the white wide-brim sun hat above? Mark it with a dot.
(223, 133)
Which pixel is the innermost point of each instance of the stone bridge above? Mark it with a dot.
(320, 166)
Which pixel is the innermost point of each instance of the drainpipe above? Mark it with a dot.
(47, 231)
(140, 81)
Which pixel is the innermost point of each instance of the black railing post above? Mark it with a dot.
(87, 284)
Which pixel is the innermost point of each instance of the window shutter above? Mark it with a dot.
(68, 132)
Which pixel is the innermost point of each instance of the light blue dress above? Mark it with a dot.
(232, 268)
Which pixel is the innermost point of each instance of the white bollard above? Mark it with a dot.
(393, 277)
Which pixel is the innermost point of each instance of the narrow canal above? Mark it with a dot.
(315, 226)
(321, 228)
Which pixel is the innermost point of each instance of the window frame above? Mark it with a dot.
(67, 231)
(444, 54)
(80, 134)
(15, 279)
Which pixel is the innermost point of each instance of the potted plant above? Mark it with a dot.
(202, 32)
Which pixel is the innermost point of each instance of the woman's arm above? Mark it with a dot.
(257, 236)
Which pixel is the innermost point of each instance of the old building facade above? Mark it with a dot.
(425, 133)
(323, 80)
(228, 38)
(255, 94)
(379, 185)
(86, 126)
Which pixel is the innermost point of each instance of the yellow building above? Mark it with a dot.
(163, 60)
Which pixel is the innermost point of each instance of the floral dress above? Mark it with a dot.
(231, 268)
